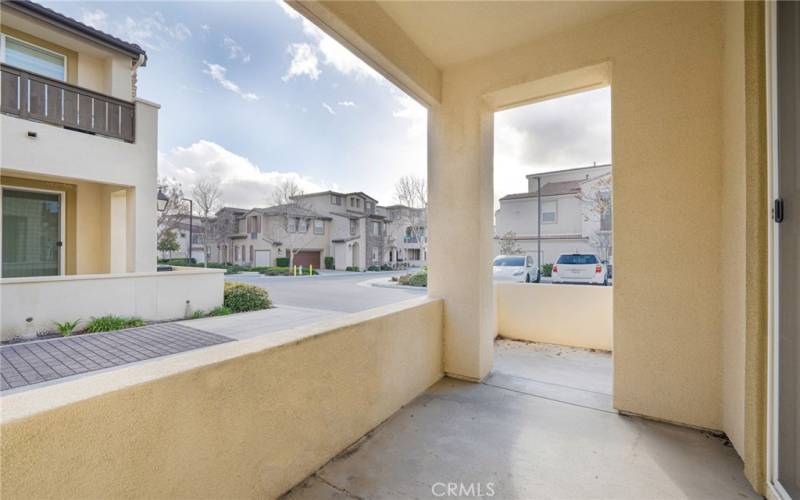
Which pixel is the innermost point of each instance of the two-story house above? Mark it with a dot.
(576, 214)
(78, 167)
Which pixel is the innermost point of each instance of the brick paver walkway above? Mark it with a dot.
(33, 362)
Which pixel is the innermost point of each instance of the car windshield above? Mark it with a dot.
(577, 259)
(509, 261)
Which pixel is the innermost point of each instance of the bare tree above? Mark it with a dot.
(176, 207)
(207, 200)
(509, 245)
(412, 192)
(597, 207)
(295, 229)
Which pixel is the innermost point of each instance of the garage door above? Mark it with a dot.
(307, 258)
(263, 257)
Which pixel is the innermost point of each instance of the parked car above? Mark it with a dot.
(580, 268)
(519, 268)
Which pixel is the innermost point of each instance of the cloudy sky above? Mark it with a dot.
(252, 93)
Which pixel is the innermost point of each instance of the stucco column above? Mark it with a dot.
(460, 220)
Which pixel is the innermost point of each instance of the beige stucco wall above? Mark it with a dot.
(667, 130)
(81, 159)
(579, 316)
(247, 419)
(150, 296)
(732, 226)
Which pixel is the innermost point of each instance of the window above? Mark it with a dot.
(31, 58)
(319, 226)
(291, 225)
(376, 228)
(236, 252)
(252, 254)
(577, 259)
(374, 255)
(336, 199)
(549, 212)
(509, 262)
(303, 226)
(353, 226)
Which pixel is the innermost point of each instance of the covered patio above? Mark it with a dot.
(390, 402)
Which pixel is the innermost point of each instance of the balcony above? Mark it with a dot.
(37, 98)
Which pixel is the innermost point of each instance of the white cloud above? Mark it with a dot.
(235, 51)
(205, 28)
(568, 132)
(326, 50)
(347, 104)
(304, 62)
(218, 73)
(328, 108)
(242, 183)
(414, 112)
(152, 32)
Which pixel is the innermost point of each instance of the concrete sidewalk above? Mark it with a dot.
(252, 324)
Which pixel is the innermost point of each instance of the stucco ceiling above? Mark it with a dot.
(451, 32)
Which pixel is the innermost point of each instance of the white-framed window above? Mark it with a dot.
(374, 255)
(549, 212)
(336, 199)
(319, 226)
(353, 226)
(376, 228)
(291, 225)
(303, 226)
(30, 57)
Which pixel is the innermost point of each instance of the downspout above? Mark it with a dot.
(139, 63)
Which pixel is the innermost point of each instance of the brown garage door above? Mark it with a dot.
(307, 258)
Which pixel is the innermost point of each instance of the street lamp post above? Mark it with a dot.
(191, 227)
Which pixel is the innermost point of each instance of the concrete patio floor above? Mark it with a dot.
(539, 427)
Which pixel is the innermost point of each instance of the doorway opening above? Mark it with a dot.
(553, 267)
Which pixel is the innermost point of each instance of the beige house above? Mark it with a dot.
(576, 214)
(261, 235)
(78, 176)
(406, 235)
(703, 110)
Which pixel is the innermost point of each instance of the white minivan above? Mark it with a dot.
(519, 268)
(579, 268)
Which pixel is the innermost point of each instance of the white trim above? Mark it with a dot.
(775, 490)
(62, 198)
(3, 37)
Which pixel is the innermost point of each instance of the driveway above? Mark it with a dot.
(341, 292)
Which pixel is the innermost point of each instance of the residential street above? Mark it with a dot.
(345, 292)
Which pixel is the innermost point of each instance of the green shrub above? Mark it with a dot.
(386, 267)
(110, 323)
(198, 314)
(354, 269)
(329, 264)
(419, 279)
(241, 297)
(282, 261)
(219, 311)
(373, 268)
(66, 328)
(547, 270)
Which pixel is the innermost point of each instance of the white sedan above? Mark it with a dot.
(519, 268)
(579, 268)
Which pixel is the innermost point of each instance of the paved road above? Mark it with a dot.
(343, 293)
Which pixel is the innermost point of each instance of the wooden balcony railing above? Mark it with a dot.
(33, 97)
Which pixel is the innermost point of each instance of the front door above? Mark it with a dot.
(787, 208)
(32, 229)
